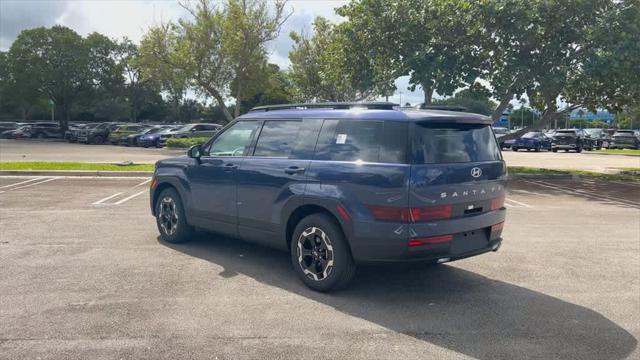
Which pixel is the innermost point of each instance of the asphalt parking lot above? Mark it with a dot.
(83, 275)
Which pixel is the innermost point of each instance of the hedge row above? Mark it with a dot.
(185, 142)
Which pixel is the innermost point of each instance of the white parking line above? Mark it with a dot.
(29, 185)
(144, 182)
(105, 199)
(131, 197)
(584, 193)
(589, 193)
(22, 182)
(518, 203)
(527, 192)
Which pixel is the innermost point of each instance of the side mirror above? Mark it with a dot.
(195, 152)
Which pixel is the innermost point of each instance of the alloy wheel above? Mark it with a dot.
(315, 253)
(168, 215)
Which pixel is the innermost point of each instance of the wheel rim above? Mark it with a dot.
(315, 253)
(168, 215)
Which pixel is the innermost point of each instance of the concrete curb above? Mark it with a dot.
(91, 173)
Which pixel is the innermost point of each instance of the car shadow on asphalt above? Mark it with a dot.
(440, 304)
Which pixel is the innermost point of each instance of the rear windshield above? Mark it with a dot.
(435, 143)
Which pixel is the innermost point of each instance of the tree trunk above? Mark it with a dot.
(428, 94)
(238, 101)
(216, 95)
(497, 113)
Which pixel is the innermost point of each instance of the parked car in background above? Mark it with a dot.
(599, 137)
(567, 139)
(8, 125)
(43, 130)
(335, 188)
(625, 139)
(97, 134)
(71, 135)
(534, 140)
(22, 132)
(121, 132)
(152, 138)
(135, 139)
(191, 130)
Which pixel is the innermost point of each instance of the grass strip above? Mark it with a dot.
(51, 165)
(630, 152)
(626, 174)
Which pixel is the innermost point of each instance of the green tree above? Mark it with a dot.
(57, 62)
(432, 41)
(320, 68)
(274, 90)
(566, 56)
(475, 99)
(219, 46)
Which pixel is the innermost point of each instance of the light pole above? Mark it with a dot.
(53, 106)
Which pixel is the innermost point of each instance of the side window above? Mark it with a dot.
(198, 128)
(235, 141)
(278, 139)
(350, 140)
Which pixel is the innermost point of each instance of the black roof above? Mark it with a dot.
(362, 111)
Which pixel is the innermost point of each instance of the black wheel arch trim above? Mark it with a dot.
(329, 205)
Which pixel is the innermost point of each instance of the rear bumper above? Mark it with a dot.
(470, 236)
(564, 146)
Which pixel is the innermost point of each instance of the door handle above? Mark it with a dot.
(229, 167)
(294, 170)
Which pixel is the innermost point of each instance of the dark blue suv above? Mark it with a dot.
(339, 184)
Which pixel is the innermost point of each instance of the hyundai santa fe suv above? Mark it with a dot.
(341, 184)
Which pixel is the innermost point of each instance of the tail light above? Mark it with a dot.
(497, 227)
(497, 203)
(419, 214)
(389, 213)
(430, 240)
(416, 214)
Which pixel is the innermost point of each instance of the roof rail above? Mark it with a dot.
(442, 107)
(328, 105)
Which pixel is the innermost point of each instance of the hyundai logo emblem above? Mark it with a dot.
(476, 172)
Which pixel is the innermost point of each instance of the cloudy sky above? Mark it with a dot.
(131, 18)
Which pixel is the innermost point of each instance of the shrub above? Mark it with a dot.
(185, 142)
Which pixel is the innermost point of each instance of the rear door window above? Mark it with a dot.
(440, 143)
(362, 140)
(293, 139)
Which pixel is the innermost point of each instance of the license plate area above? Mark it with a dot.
(470, 241)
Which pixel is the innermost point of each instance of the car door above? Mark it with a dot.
(213, 178)
(274, 176)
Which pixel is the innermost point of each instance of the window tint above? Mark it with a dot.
(235, 141)
(349, 140)
(278, 138)
(362, 140)
(435, 143)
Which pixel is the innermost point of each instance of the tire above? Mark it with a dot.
(554, 150)
(328, 264)
(513, 148)
(537, 148)
(40, 136)
(170, 218)
(579, 149)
